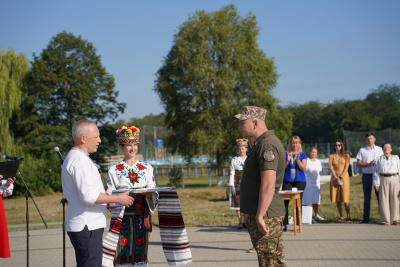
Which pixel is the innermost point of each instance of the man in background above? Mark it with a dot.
(366, 157)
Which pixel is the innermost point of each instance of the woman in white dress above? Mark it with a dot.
(312, 192)
(235, 177)
(131, 173)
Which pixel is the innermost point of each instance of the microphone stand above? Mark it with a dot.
(63, 202)
(27, 195)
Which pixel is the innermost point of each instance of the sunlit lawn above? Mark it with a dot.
(201, 205)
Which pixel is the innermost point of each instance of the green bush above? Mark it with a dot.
(175, 178)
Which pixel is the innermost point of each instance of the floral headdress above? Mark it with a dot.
(128, 135)
(241, 142)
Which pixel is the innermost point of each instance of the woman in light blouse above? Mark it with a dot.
(386, 181)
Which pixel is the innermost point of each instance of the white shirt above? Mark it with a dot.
(366, 155)
(385, 166)
(237, 164)
(312, 171)
(82, 186)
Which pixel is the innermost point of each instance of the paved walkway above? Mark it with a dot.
(319, 245)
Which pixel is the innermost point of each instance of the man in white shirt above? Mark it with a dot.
(366, 157)
(84, 190)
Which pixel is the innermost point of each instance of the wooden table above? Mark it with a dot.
(296, 204)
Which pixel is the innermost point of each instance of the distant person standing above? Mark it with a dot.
(366, 157)
(235, 177)
(312, 192)
(386, 181)
(296, 163)
(339, 191)
(259, 190)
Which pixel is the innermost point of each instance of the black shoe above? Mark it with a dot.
(285, 228)
(244, 226)
(364, 221)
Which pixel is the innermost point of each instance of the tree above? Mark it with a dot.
(13, 68)
(213, 69)
(384, 103)
(307, 119)
(347, 115)
(66, 83)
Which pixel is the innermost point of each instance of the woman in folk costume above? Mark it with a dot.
(6, 189)
(131, 173)
(235, 176)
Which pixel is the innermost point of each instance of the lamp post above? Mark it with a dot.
(155, 147)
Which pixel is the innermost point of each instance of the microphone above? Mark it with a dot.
(12, 158)
(57, 150)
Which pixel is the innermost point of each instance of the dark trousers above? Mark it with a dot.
(289, 186)
(88, 247)
(367, 188)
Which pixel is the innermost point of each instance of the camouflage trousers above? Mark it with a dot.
(269, 247)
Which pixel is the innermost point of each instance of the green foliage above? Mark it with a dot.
(316, 122)
(66, 83)
(213, 69)
(13, 68)
(384, 103)
(355, 148)
(175, 178)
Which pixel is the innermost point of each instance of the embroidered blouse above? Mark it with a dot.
(236, 164)
(140, 175)
(5, 190)
(385, 165)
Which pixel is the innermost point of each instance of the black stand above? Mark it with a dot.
(27, 195)
(63, 201)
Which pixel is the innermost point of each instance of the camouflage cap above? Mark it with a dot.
(251, 112)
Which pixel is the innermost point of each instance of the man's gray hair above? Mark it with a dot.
(80, 128)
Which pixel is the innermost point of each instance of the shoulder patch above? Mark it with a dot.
(269, 155)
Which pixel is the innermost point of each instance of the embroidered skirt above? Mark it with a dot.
(134, 237)
(234, 201)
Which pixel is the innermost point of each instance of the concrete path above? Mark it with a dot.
(319, 245)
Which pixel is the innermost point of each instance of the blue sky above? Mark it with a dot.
(323, 49)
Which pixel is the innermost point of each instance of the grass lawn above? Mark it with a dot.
(201, 206)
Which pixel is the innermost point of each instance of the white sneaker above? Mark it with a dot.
(318, 217)
(314, 221)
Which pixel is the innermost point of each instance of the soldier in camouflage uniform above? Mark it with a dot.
(262, 178)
